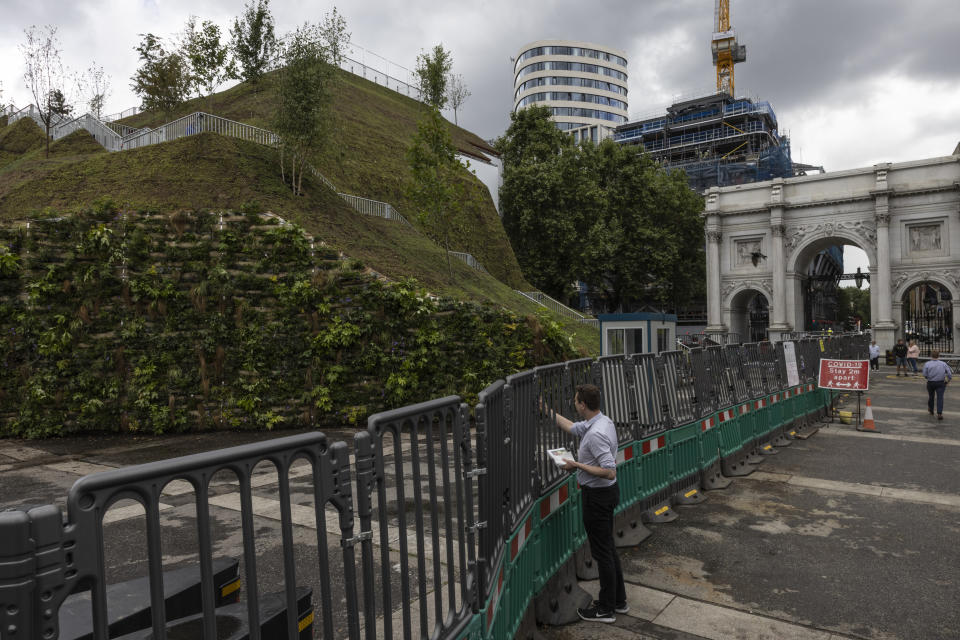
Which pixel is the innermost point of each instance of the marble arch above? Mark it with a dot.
(905, 216)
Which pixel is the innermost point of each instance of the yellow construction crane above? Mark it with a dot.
(726, 50)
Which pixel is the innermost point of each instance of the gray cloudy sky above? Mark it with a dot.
(853, 82)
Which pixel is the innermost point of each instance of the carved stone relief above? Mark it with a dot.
(925, 238)
(897, 280)
(864, 230)
(714, 236)
(744, 251)
(760, 285)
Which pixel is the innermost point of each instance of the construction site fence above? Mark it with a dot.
(442, 521)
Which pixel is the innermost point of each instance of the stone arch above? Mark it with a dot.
(738, 308)
(815, 242)
(906, 281)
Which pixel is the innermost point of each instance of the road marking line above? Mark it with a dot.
(130, 511)
(78, 467)
(887, 436)
(721, 623)
(302, 515)
(21, 454)
(906, 495)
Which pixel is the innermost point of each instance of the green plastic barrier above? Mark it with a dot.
(728, 431)
(684, 446)
(709, 440)
(655, 466)
(629, 476)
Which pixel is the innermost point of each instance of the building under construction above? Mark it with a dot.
(718, 140)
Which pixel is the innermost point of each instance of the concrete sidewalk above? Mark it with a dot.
(844, 535)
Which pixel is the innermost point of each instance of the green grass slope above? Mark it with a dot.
(367, 156)
(210, 172)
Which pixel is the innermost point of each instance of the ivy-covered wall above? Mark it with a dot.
(150, 322)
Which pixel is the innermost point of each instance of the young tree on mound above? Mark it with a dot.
(432, 70)
(163, 79)
(304, 118)
(437, 186)
(97, 86)
(457, 93)
(253, 42)
(206, 56)
(45, 78)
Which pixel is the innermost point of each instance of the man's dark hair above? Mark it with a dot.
(589, 395)
(934, 354)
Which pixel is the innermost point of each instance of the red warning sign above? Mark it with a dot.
(844, 375)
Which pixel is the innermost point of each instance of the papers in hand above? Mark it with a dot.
(560, 456)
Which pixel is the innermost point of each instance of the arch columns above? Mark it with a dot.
(884, 327)
(778, 306)
(714, 238)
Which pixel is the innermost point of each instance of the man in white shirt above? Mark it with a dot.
(874, 356)
(596, 467)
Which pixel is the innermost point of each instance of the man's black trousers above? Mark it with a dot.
(598, 506)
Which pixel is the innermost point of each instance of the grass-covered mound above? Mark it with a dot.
(18, 139)
(374, 126)
(149, 322)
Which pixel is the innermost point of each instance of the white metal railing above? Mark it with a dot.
(370, 207)
(555, 305)
(469, 259)
(200, 122)
(126, 113)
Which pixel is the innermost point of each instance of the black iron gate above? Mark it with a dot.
(928, 318)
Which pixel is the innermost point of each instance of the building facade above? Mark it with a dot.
(583, 84)
(764, 238)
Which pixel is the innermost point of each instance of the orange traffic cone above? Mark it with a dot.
(868, 420)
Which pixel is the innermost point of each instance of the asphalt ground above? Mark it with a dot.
(843, 535)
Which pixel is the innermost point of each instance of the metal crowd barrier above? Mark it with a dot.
(438, 522)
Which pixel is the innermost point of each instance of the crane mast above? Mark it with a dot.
(725, 48)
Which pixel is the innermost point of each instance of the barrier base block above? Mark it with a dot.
(528, 627)
(806, 433)
(628, 529)
(766, 449)
(735, 465)
(781, 439)
(660, 513)
(558, 601)
(691, 495)
(586, 567)
(712, 478)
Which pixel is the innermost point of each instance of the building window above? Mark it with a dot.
(615, 342)
(663, 340)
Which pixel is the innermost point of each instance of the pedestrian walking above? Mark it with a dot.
(900, 353)
(938, 375)
(874, 356)
(596, 467)
(912, 354)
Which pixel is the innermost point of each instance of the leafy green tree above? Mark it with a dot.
(853, 303)
(600, 214)
(437, 187)
(163, 79)
(541, 198)
(206, 56)
(252, 42)
(644, 246)
(304, 118)
(432, 70)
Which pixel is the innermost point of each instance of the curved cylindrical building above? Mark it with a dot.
(584, 84)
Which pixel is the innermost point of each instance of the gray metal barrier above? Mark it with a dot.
(617, 403)
(653, 415)
(421, 455)
(428, 501)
